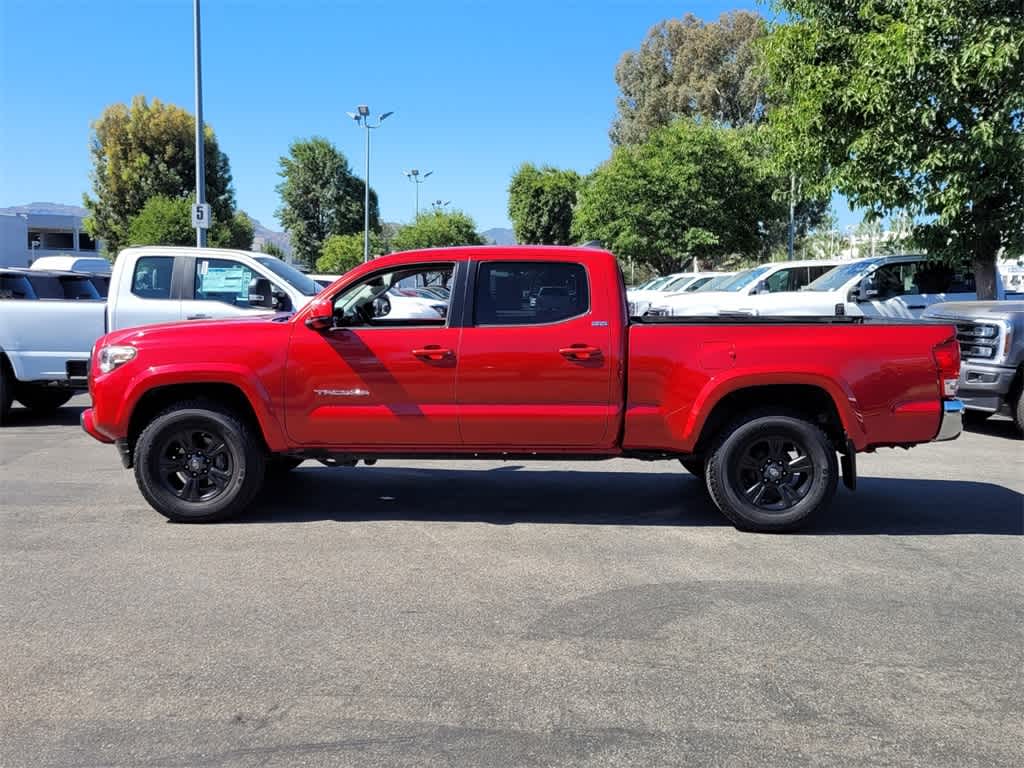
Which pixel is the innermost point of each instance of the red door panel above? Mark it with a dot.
(374, 387)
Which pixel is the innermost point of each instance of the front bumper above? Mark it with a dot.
(952, 423)
(985, 387)
(90, 427)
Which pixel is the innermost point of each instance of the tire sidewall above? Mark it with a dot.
(244, 457)
(720, 473)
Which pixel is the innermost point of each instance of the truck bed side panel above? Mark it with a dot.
(882, 378)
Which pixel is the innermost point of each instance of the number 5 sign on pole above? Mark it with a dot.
(201, 216)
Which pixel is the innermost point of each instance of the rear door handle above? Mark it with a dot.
(198, 317)
(580, 352)
(432, 352)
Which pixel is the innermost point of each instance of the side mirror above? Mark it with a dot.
(281, 302)
(321, 315)
(261, 293)
(761, 287)
(867, 290)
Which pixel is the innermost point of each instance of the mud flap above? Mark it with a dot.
(848, 462)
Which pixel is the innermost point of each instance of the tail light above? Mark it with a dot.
(947, 363)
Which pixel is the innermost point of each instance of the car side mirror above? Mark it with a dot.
(261, 293)
(321, 314)
(867, 290)
(281, 302)
(761, 287)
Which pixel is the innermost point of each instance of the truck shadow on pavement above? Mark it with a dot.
(67, 416)
(514, 495)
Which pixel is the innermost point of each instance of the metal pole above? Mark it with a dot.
(200, 144)
(417, 199)
(366, 198)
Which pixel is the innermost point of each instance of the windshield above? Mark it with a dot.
(697, 284)
(678, 284)
(655, 285)
(714, 284)
(740, 281)
(307, 286)
(836, 278)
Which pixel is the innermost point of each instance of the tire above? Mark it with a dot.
(197, 462)
(694, 465)
(1018, 411)
(771, 472)
(43, 399)
(6, 384)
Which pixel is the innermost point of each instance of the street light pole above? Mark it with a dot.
(414, 176)
(200, 144)
(362, 117)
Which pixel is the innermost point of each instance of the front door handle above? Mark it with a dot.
(432, 352)
(198, 317)
(580, 352)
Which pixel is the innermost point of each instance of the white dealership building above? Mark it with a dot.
(26, 236)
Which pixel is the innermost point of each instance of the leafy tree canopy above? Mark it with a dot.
(693, 189)
(914, 106)
(343, 252)
(686, 68)
(320, 197)
(168, 221)
(144, 150)
(540, 204)
(437, 229)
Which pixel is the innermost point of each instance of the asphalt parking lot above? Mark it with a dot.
(487, 614)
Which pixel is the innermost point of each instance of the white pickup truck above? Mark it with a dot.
(884, 286)
(45, 342)
(778, 277)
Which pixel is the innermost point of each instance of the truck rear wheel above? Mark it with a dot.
(43, 399)
(197, 462)
(770, 472)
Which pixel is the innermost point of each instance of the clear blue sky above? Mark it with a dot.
(476, 87)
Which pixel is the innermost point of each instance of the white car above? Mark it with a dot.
(776, 277)
(885, 286)
(641, 299)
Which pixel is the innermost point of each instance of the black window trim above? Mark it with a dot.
(469, 306)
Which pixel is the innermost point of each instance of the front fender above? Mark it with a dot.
(152, 378)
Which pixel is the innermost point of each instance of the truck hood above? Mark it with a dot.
(975, 310)
(190, 329)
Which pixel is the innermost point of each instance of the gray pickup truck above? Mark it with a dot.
(991, 336)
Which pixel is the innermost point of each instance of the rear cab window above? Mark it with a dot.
(530, 293)
(15, 287)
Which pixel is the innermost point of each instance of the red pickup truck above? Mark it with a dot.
(525, 353)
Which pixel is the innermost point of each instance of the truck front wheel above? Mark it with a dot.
(769, 473)
(197, 462)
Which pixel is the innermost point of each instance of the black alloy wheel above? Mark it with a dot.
(774, 471)
(195, 464)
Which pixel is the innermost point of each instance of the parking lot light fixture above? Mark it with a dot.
(416, 178)
(362, 118)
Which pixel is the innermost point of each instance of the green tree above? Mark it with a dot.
(343, 252)
(693, 189)
(168, 221)
(686, 68)
(143, 150)
(320, 197)
(273, 249)
(438, 229)
(909, 106)
(540, 204)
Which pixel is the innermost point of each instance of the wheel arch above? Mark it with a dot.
(809, 400)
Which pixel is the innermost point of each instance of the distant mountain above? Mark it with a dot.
(500, 236)
(262, 234)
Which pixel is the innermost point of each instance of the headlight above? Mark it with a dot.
(115, 356)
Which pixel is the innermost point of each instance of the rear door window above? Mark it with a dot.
(525, 293)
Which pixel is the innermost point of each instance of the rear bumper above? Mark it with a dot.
(90, 427)
(952, 423)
